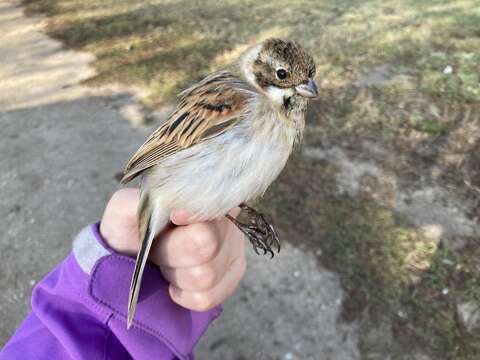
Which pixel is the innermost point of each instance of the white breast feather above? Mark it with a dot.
(213, 177)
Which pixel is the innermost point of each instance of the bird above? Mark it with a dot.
(226, 141)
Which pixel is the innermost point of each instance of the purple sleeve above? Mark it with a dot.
(79, 312)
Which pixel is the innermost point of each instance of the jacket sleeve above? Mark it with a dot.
(79, 311)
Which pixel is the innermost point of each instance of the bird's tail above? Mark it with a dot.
(150, 222)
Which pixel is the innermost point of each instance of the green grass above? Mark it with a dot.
(381, 72)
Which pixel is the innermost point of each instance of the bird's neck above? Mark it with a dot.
(284, 100)
(269, 119)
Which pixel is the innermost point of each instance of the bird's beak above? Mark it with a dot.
(308, 90)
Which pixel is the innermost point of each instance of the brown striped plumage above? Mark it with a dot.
(206, 110)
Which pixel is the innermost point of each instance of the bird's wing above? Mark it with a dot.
(205, 110)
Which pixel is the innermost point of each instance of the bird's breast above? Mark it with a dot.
(214, 176)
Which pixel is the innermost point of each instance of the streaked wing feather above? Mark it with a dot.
(206, 110)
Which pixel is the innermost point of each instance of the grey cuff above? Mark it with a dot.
(88, 247)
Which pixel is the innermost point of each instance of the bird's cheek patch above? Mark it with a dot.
(277, 95)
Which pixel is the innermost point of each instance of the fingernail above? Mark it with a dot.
(180, 216)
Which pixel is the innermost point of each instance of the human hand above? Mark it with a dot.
(204, 262)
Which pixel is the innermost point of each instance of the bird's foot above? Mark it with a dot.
(261, 234)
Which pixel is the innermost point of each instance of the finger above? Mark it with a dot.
(185, 217)
(206, 300)
(203, 277)
(235, 211)
(181, 217)
(186, 246)
(221, 225)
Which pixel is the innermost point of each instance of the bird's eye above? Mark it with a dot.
(282, 74)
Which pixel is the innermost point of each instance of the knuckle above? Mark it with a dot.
(120, 195)
(117, 195)
(205, 245)
(120, 198)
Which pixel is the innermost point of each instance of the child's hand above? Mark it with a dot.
(204, 261)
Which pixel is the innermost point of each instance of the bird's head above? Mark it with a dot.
(280, 68)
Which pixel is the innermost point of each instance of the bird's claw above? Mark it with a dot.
(259, 232)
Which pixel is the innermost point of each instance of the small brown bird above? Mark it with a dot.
(226, 142)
